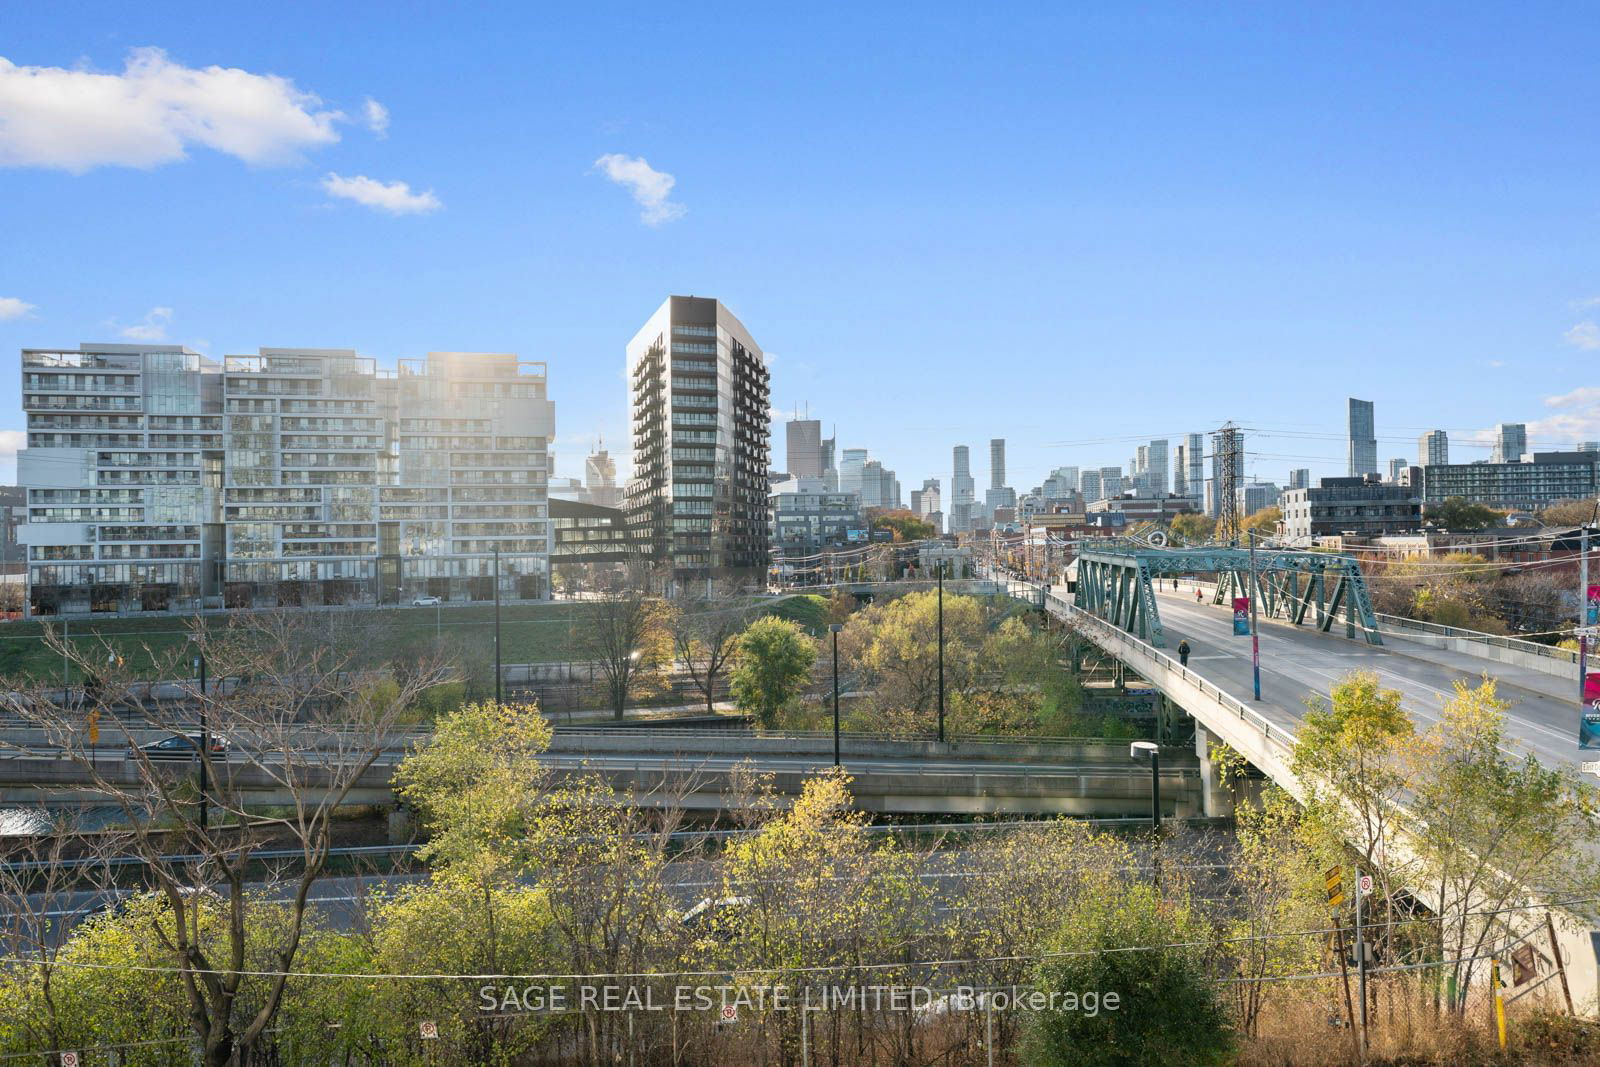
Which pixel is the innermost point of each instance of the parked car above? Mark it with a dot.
(424, 601)
(182, 746)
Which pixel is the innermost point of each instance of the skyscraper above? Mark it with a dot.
(1300, 478)
(1089, 483)
(1510, 442)
(1156, 465)
(997, 463)
(1363, 439)
(600, 478)
(850, 471)
(1194, 456)
(1110, 482)
(1433, 448)
(698, 499)
(1396, 466)
(803, 440)
(961, 491)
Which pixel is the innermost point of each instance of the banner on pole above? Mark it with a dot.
(1241, 615)
(1592, 612)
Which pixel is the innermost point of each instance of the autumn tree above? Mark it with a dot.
(1193, 528)
(1492, 827)
(1264, 521)
(629, 634)
(894, 648)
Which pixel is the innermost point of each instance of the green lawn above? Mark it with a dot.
(154, 647)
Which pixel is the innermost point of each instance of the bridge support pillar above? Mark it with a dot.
(1216, 800)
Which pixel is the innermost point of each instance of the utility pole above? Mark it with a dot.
(1255, 627)
(1586, 614)
(497, 671)
(1362, 881)
(834, 629)
(204, 753)
(941, 651)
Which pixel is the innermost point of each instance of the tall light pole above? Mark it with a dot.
(834, 629)
(941, 651)
(1149, 752)
(1255, 629)
(1585, 620)
(497, 624)
(204, 752)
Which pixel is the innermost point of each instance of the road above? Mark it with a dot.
(1297, 661)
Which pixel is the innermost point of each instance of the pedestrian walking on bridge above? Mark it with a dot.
(1183, 653)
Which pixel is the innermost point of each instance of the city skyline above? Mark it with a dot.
(500, 225)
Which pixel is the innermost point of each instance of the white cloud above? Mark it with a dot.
(12, 308)
(75, 120)
(651, 188)
(11, 442)
(394, 197)
(1586, 302)
(153, 328)
(377, 117)
(1577, 417)
(1585, 335)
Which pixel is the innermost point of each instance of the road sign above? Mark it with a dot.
(1333, 880)
(69, 1059)
(94, 727)
(1365, 882)
(729, 1015)
(430, 1030)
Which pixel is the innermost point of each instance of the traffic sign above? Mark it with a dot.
(1365, 882)
(1333, 880)
(69, 1059)
(430, 1030)
(729, 1015)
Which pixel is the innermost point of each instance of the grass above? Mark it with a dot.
(155, 648)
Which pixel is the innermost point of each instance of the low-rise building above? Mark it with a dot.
(1361, 505)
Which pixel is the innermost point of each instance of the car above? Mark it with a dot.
(182, 746)
(424, 601)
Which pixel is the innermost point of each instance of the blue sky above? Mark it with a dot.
(1070, 228)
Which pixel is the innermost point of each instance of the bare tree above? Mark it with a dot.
(630, 637)
(290, 720)
(704, 637)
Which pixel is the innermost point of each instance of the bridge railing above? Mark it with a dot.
(1404, 627)
(1149, 661)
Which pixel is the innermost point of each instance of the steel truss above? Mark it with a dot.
(1114, 582)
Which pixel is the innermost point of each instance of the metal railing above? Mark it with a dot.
(1273, 735)
(1406, 627)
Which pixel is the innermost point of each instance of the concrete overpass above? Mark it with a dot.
(692, 769)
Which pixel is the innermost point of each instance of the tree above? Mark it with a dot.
(1347, 757)
(772, 663)
(299, 720)
(894, 646)
(1127, 941)
(906, 526)
(1265, 521)
(1458, 513)
(1493, 828)
(1193, 528)
(1570, 512)
(630, 636)
(704, 636)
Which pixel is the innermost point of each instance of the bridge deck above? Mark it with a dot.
(1299, 661)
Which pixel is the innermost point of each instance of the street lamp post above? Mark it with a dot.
(1149, 752)
(834, 629)
(1255, 629)
(497, 624)
(204, 752)
(1584, 621)
(941, 651)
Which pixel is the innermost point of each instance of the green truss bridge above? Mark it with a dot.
(1116, 582)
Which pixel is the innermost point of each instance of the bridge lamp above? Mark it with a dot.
(1147, 752)
(834, 629)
